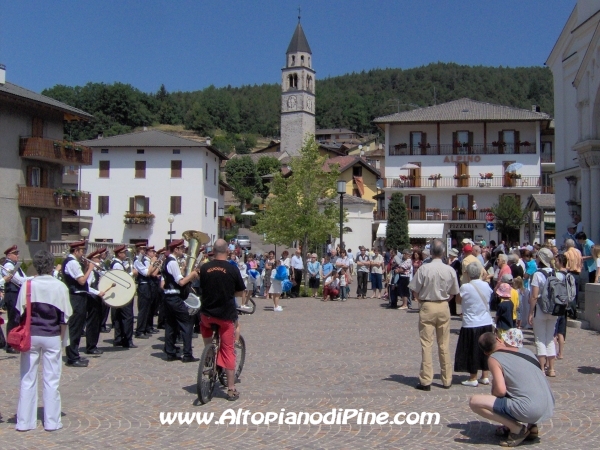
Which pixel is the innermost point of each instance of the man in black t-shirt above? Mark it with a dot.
(221, 282)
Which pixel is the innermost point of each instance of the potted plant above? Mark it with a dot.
(486, 176)
(526, 143)
(456, 209)
(402, 145)
(515, 176)
(432, 209)
(68, 146)
(485, 210)
(58, 196)
(435, 176)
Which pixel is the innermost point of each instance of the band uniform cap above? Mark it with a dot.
(176, 243)
(11, 249)
(468, 248)
(141, 245)
(160, 251)
(102, 250)
(503, 290)
(453, 252)
(94, 254)
(78, 244)
(120, 248)
(150, 249)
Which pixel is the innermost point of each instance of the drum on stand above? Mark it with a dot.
(119, 287)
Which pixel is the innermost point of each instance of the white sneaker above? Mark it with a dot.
(278, 309)
(473, 383)
(246, 307)
(484, 381)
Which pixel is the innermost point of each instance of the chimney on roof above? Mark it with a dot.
(2, 74)
(535, 108)
(208, 141)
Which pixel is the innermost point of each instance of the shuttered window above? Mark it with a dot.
(176, 204)
(140, 169)
(139, 205)
(206, 171)
(103, 204)
(36, 229)
(36, 177)
(104, 169)
(205, 207)
(215, 210)
(176, 169)
(37, 127)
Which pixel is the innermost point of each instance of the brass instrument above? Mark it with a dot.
(128, 254)
(195, 239)
(123, 283)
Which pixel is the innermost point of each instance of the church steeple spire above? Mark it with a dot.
(299, 43)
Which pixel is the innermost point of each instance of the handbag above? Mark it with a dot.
(19, 337)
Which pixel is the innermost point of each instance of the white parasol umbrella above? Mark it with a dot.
(410, 166)
(513, 167)
(249, 213)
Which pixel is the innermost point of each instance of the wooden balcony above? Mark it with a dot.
(58, 152)
(37, 197)
(427, 182)
(403, 149)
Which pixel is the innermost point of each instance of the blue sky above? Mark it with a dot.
(189, 45)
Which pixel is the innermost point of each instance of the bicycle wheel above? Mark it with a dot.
(206, 374)
(240, 357)
(252, 304)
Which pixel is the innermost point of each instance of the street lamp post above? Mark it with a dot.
(84, 232)
(341, 189)
(221, 215)
(171, 219)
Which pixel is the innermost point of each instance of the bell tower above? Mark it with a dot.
(297, 94)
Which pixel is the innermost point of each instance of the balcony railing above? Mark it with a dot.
(439, 215)
(61, 152)
(61, 248)
(38, 197)
(136, 218)
(453, 149)
(547, 189)
(544, 158)
(428, 182)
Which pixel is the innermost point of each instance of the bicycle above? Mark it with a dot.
(209, 371)
(250, 303)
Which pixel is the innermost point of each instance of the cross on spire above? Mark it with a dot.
(299, 15)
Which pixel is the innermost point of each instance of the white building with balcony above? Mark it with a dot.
(138, 179)
(455, 157)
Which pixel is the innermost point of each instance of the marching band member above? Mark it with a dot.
(12, 285)
(122, 318)
(157, 292)
(104, 328)
(75, 276)
(94, 307)
(144, 264)
(176, 312)
(160, 323)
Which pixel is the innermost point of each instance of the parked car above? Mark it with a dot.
(243, 241)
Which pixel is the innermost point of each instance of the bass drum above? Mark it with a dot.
(122, 292)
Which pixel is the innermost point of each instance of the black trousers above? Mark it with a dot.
(298, 279)
(105, 313)
(76, 323)
(144, 295)
(177, 320)
(160, 322)
(122, 319)
(92, 322)
(156, 299)
(393, 296)
(362, 278)
(10, 300)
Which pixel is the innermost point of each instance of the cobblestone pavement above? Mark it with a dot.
(311, 357)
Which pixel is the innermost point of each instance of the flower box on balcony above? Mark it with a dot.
(486, 210)
(435, 176)
(138, 218)
(432, 210)
(486, 176)
(515, 176)
(459, 210)
(424, 146)
(461, 177)
(407, 177)
(402, 145)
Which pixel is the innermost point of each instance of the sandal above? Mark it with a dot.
(502, 431)
(533, 431)
(551, 373)
(515, 439)
(232, 395)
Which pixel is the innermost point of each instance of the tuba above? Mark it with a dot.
(195, 239)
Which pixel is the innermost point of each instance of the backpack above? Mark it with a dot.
(555, 295)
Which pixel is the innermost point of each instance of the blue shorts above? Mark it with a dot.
(501, 408)
(376, 282)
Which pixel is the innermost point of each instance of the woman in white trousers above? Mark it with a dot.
(50, 311)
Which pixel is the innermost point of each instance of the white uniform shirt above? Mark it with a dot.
(91, 278)
(173, 269)
(120, 265)
(142, 264)
(73, 269)
(17, 277)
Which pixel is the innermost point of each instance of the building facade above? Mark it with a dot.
(34, 155)
(139, 179)
(450, 160)
(297, 94)
(575, 65)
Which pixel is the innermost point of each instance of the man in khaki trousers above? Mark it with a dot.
(433, 285)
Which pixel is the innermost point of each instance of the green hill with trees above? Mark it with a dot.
(235, 116)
